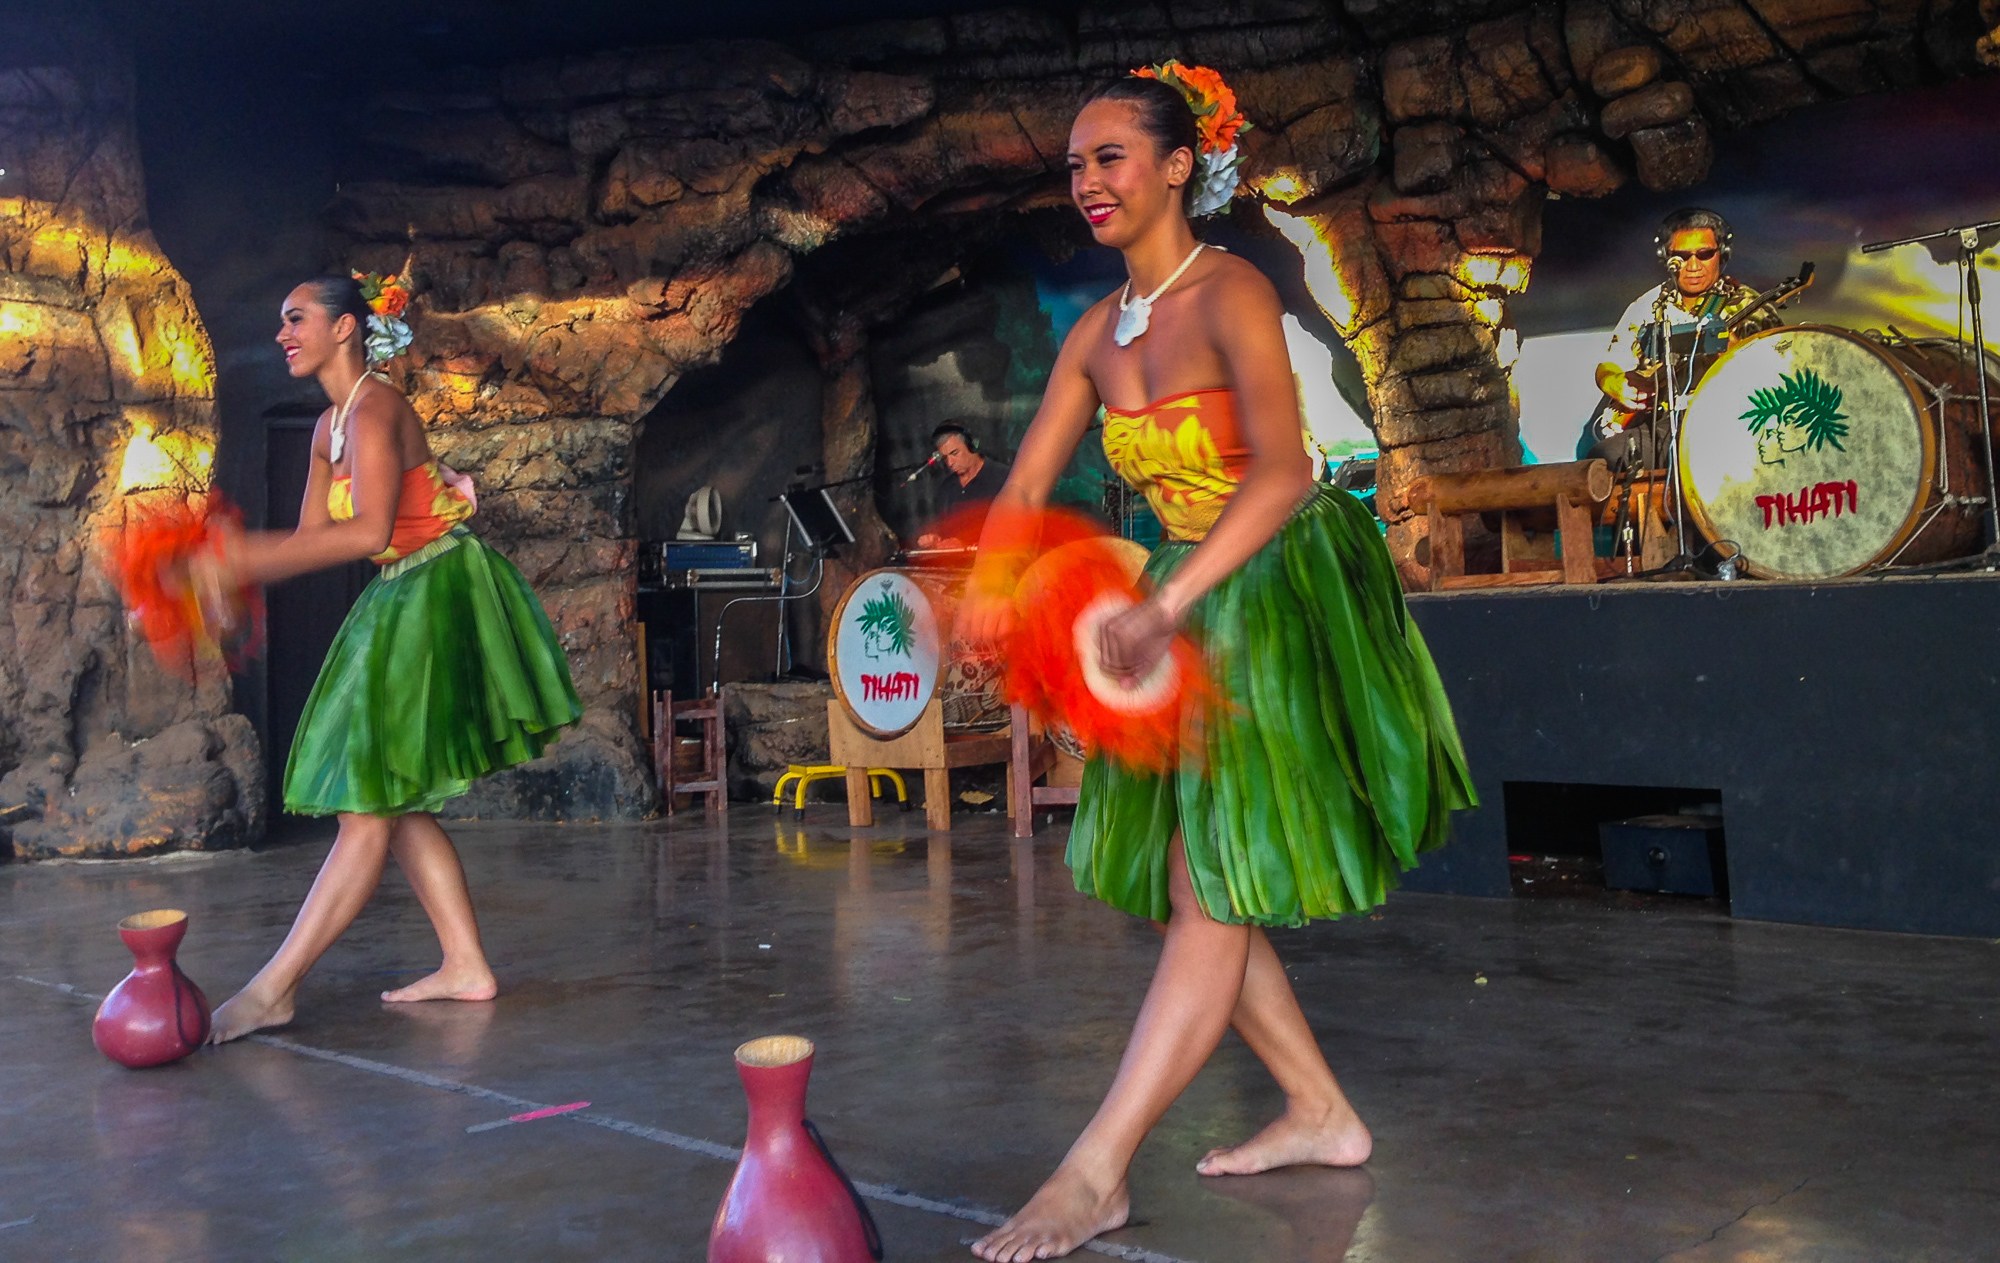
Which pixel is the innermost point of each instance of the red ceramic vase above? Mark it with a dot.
(156, 1015)
(788, 1202)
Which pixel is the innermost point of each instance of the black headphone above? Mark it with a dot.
(1693, 217)
(952, 427)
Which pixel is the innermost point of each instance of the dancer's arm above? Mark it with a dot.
(319, 542)
(1069, 403)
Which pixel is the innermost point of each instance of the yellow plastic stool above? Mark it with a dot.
(807, 773)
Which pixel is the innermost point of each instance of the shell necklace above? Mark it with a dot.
(336, 439)
(1135, 315)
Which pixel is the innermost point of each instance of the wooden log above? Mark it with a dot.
(1526, 487)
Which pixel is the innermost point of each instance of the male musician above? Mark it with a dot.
(1696, 301)
(974, 480)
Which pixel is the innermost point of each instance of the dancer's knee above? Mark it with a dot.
(372, 832)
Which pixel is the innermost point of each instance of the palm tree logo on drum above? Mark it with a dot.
(1801, 414)
(887, 625)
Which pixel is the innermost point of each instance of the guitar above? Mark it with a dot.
(1774, 298)
(1683, 345)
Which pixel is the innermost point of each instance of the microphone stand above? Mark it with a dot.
(1668, 398)
(1968, 249)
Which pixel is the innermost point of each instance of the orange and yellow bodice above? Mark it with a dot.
(1185, 454)
(426, 508)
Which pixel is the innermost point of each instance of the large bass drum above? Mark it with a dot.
(1823, 452)
(889, 652)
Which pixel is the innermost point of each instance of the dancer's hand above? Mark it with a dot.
(214, 574)
(1134, 641)
(986, 615)
(985, 620)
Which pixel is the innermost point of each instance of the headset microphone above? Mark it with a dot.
(918, 472)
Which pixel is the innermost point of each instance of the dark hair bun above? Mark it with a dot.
(1164, 114)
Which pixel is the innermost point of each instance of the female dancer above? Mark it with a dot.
(446, 668)
(1331, 759)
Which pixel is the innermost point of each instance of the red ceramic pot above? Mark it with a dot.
(788, 1202)
(156, 1015)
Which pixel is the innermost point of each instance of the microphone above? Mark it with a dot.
(918, 472)
(1674, 265)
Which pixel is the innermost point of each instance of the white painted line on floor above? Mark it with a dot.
(687, 1144)
(63, 987)
(17, 1223)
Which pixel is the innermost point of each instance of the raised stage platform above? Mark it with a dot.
(1851, 728)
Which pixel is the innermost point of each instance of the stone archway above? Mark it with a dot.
(587, 230)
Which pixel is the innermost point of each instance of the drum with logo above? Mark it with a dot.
(1823, 452)
(889, 652)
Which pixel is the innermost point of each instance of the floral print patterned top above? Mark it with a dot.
(428, 506)
(1185, 454)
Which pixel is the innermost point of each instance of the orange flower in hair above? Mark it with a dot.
(1218, 123)
(1209, 96)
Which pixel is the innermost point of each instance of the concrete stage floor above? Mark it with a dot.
(1549, 1079)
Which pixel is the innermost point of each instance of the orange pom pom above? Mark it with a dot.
(1080, 579)
(167, 563)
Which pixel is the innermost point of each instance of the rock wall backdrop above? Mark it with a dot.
(106, 398)
(588, 230)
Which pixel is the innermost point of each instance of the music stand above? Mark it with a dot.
(817, 518)
(812, 514)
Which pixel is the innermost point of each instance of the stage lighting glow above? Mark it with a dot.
(1332, 291)
(1283, 186)
(1494, 271)
(19, 320)
(177, 460)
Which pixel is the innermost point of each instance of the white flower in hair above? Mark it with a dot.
(388, 337)
(1217, 176)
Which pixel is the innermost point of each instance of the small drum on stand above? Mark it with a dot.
(1823, 452)
(889, 653)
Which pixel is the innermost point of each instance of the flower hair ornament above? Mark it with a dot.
(1219, 122)
(387, 297)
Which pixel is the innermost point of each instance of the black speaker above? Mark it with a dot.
(1672, 854)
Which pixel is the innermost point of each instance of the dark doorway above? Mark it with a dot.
(1555, 830)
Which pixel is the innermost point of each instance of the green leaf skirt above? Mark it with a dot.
(1329, 761)
(445, 669)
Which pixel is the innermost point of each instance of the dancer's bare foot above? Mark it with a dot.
(1066, 1212)
(249, 1010)
(1332, 1136)
(447, 984)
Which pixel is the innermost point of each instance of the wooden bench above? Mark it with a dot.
(1535, 503)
